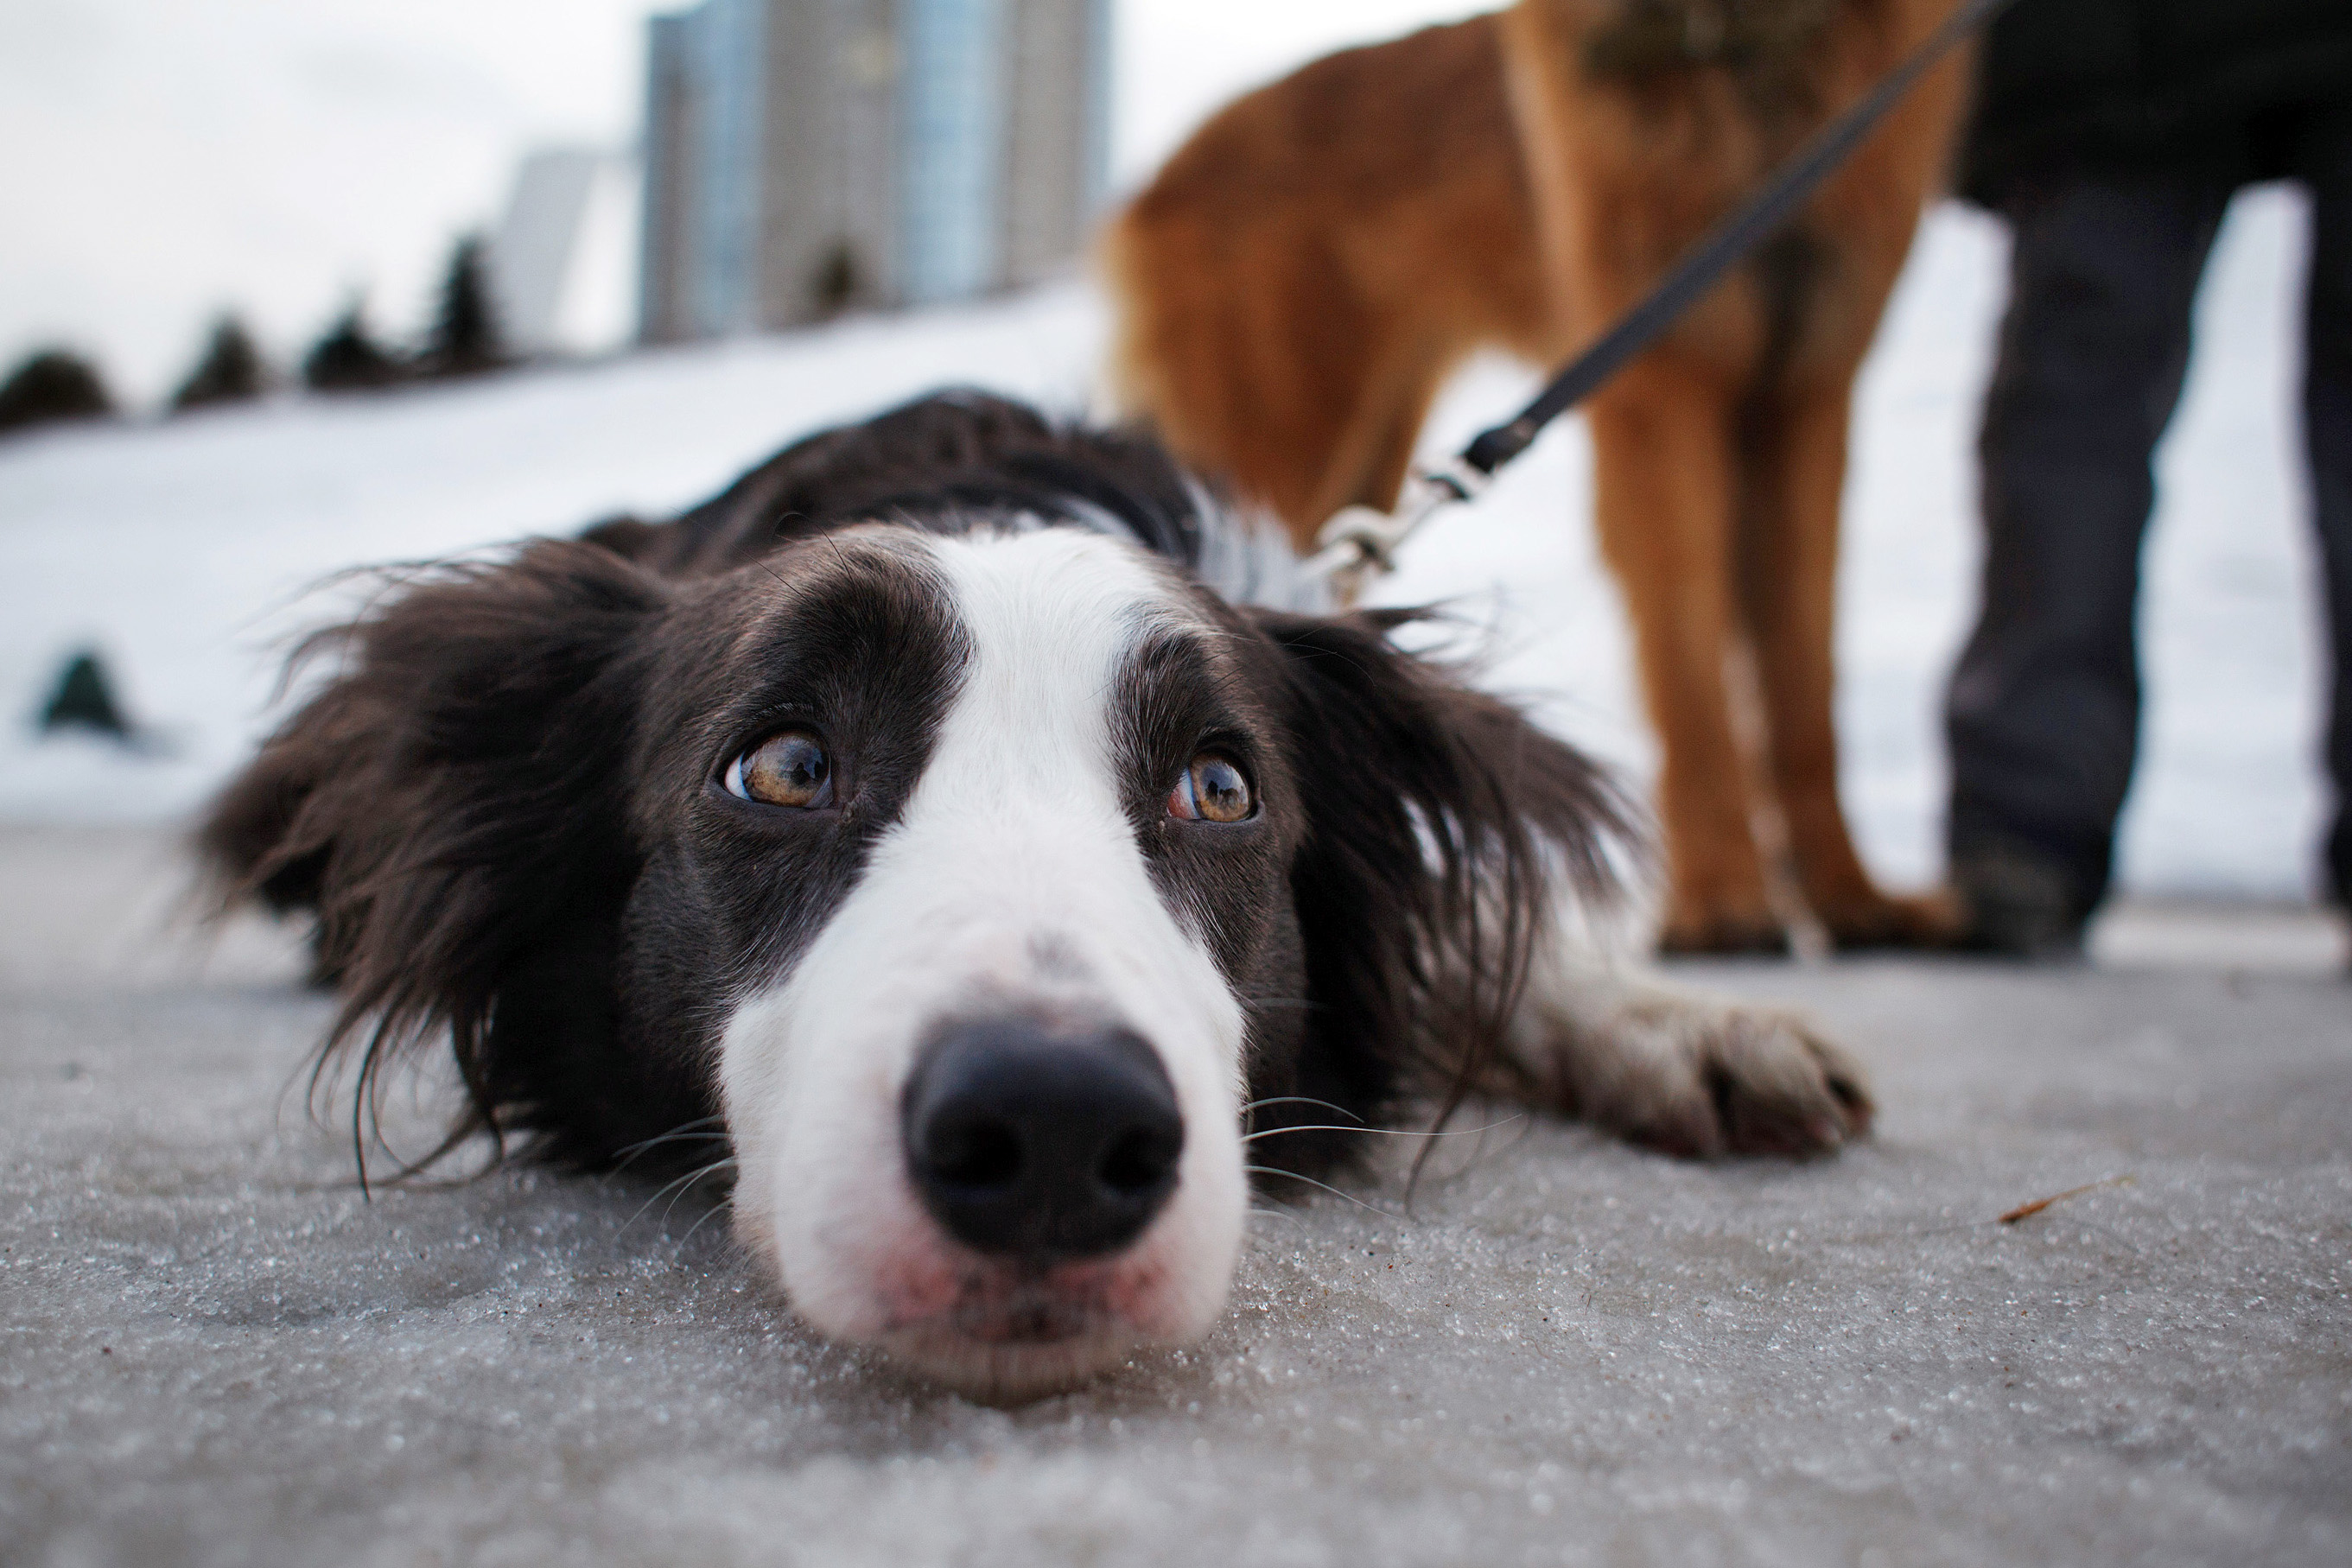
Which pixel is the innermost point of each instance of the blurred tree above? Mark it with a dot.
(52, 384)
(839, 282)
(465, 339)
(84, 699)
(232, 369)
(348, 360)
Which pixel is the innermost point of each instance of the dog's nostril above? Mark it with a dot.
(1041, 1146)
(973, 1153)
(1138, 1161)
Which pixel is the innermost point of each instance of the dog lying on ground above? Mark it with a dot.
(932, 817)
(1303, 275)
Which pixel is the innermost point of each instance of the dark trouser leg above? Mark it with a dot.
(2043, 716)
(2324, 162)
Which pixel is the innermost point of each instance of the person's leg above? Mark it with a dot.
(2042, 714)
(2324, 163)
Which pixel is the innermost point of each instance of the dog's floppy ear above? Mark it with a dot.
(1443, 827)
(452, 804)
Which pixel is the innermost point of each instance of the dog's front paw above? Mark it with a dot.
(1701, 1079)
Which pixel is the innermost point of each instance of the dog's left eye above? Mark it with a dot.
(1211, 789)
(786, 769)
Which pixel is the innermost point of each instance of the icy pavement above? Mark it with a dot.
(216, 1352)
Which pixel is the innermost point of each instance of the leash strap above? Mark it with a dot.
(1361, 542)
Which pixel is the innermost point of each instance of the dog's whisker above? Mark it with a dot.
(1385, 1132)
(1335, 1192)
(629, 1223)
(683, 1128)
(1300, 1099)
(724, 1205)
(633, 1150)
(691, 1183)
(682, 1182)
(682, 1133)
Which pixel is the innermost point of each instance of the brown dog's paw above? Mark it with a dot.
(1698, 1079)
(1928, 920)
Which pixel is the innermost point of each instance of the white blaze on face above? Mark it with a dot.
(1012, 885)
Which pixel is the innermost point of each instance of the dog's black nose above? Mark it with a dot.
(1038, 1145)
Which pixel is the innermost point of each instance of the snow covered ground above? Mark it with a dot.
(188, 551)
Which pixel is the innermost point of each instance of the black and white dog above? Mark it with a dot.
(921, 814)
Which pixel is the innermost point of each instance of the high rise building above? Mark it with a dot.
(803, 156)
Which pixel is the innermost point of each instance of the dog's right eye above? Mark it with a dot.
(1211, 789)
(789, 768)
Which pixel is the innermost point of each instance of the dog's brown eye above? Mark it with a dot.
(1211, 789)
(786, 769)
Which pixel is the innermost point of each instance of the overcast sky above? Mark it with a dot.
(161, 160)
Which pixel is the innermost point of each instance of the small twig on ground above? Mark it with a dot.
(2027, 1210)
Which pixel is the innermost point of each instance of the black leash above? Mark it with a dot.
(1360, 541)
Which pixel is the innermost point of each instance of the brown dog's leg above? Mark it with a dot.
(1282, 382)
(1368, 466)
(1796, 450)
(1665, 492)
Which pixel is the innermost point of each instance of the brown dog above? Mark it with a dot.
(1301, 276)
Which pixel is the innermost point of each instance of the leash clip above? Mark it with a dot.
(1360, 543)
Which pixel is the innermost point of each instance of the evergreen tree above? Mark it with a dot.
(84, 699)
(348, 360)
(52, 384)
(465, 341)
(232, 369)
(839, 282)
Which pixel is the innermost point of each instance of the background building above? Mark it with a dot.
(805, 156)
